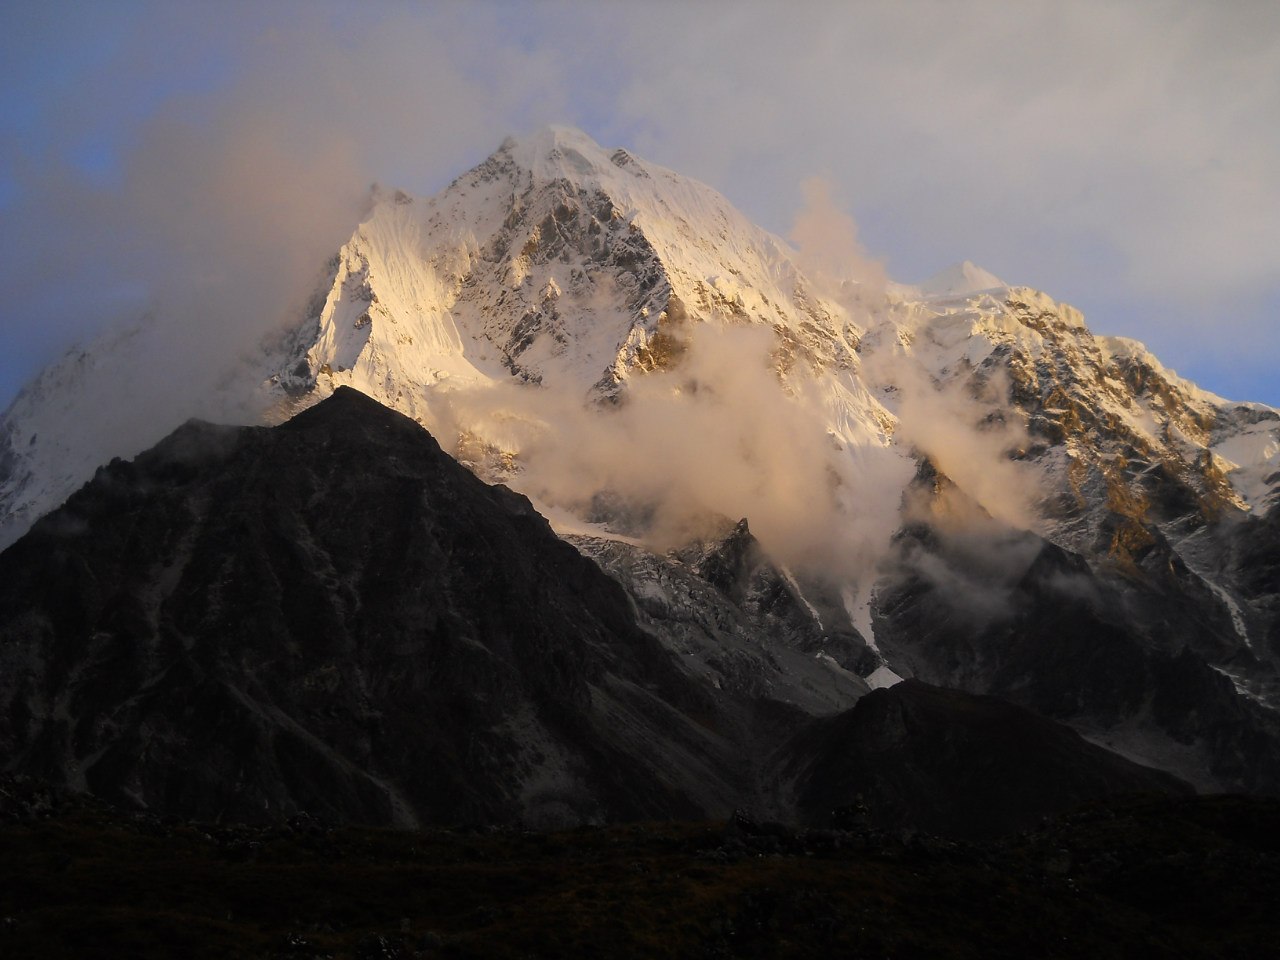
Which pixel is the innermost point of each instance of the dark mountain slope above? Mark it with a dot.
(991, 610)
(333, 615)
(952, 764)
(1257, 568)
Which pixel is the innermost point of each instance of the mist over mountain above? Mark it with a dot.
(803, 481)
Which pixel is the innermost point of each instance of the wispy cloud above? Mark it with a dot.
(716, 436)
(827, 241)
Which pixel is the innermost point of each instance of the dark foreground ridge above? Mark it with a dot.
(332, 617)
(899, 745)
(1191, 878)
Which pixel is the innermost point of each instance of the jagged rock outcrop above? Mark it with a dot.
(739, 621)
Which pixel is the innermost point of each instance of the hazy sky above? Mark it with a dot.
(1123, 157)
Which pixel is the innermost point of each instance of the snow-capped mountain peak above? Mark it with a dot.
(563, 264)
(578, 269)
(959, 280)
(562, 153)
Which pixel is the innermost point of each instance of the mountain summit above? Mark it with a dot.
(560, 263)
(556, 262)
(960, 280)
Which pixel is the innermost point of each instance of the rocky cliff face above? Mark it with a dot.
(740, 622)
(1255, 563)
(989, 609)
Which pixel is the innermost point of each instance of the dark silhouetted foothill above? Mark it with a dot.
(953, 764)
(334, 616)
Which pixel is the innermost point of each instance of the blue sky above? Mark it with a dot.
(1124, 157)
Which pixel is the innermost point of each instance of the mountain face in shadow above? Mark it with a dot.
(1128, 662)
(334, 616)
(998, 766)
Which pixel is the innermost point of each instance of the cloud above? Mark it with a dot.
(234, 148)
(720, 436)
(716, 436)
(1110, 154)
(827, 241)
(201, 162)
(213, 227)
(968, 441)
(1109, 121)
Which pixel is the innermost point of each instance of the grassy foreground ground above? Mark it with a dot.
(1195, 877)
